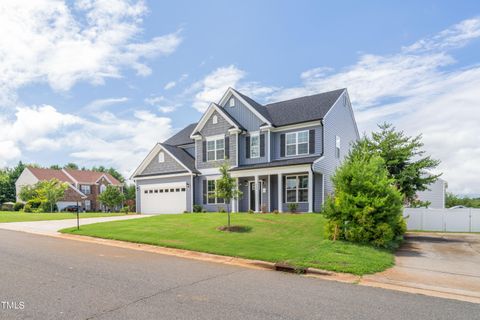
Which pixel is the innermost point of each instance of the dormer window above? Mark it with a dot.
(232, 102)
(161, 157)
(215, 119)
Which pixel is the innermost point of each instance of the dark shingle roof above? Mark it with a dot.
(302, 109)
(277, 163)
(182, 137)
(182, 156)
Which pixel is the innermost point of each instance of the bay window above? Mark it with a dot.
(296, 143)
(296, 189)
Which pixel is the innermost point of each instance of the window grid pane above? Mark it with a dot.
(303, 148)
(303, 137)
(254, 147)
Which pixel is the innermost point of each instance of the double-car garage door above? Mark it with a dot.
(163, 198)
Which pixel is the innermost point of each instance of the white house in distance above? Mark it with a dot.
(435, 194)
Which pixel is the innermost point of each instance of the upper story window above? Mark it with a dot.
(232, 102)
(86, 189)
(211, 185)
(337, 146)
(103, 188)
(255, 145)
(216, 149)
(161, 157)
(215, 119)
(296, 143)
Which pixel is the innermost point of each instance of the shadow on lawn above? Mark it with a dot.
(238, 229)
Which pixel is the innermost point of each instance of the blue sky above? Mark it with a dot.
(99, 82)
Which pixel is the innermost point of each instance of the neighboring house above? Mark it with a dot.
(435, 194)
(84, 185)
(279, 153)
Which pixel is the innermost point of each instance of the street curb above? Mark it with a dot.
(210, 257)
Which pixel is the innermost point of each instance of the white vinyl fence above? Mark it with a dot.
(453, 220)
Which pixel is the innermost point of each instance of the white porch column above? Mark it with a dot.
(268, 195)
(235, 201)
(280, 193)
(310, 190)
(257, 194)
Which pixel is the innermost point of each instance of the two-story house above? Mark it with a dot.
(84, 186)
(279, 153)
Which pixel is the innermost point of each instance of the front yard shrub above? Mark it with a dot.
(197, 208)
(366, 206)
(293, 207)
(18, 206)
(125, 209)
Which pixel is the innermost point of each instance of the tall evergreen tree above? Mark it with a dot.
(405, 160)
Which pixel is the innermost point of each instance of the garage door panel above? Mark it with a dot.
(163, 198)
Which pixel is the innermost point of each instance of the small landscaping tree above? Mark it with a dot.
(226, 188)
(366, 206)
(50, 192)
(112, 197)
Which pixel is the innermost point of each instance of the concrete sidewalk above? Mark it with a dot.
(51, 227)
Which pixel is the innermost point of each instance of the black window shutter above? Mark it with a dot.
(204, 151)
(247, 146)
(227, 147)
(262, 145)
(205, 191)
(282, 145)
(312, 141)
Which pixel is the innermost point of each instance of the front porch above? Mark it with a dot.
(267, 190)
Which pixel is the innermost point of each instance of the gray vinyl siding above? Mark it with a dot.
(210, 129)
(146, 182)
(190, 149)
(168, 166)
(276, 148)
(435, 195)
(338, 122)
(317, 192)
(243, 115)
(243, 151)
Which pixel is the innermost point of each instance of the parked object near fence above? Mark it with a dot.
(447, 220)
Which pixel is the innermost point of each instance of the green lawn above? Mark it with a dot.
(297, 239)
(8, 216)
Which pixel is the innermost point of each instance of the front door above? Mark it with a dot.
(252, 195)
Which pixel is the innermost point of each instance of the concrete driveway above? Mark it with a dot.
(446, 263)
(51, 227)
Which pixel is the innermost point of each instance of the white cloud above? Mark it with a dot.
(105, 139)
(52, 42)
(415, 91)
(170, 85)
(100, 104)
(213, 86)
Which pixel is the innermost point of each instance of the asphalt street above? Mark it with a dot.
(43, 277)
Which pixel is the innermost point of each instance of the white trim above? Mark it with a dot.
(257, 135)
(215, 137)
(146, 161)
(78, 191)
(191, 194)
(279, 191)
(233, 92)
(69, 175)
(268, 194)
(264, 171)
(209, 171)
(310, 191)
(302, 125)
(323, 190)
(215, 179)
(203, 120)
(297, 143)
(163, 176)
(236, 149)
(318, 160)
(260, 198)
(296, 188)
(269, 145)
(106, 178)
